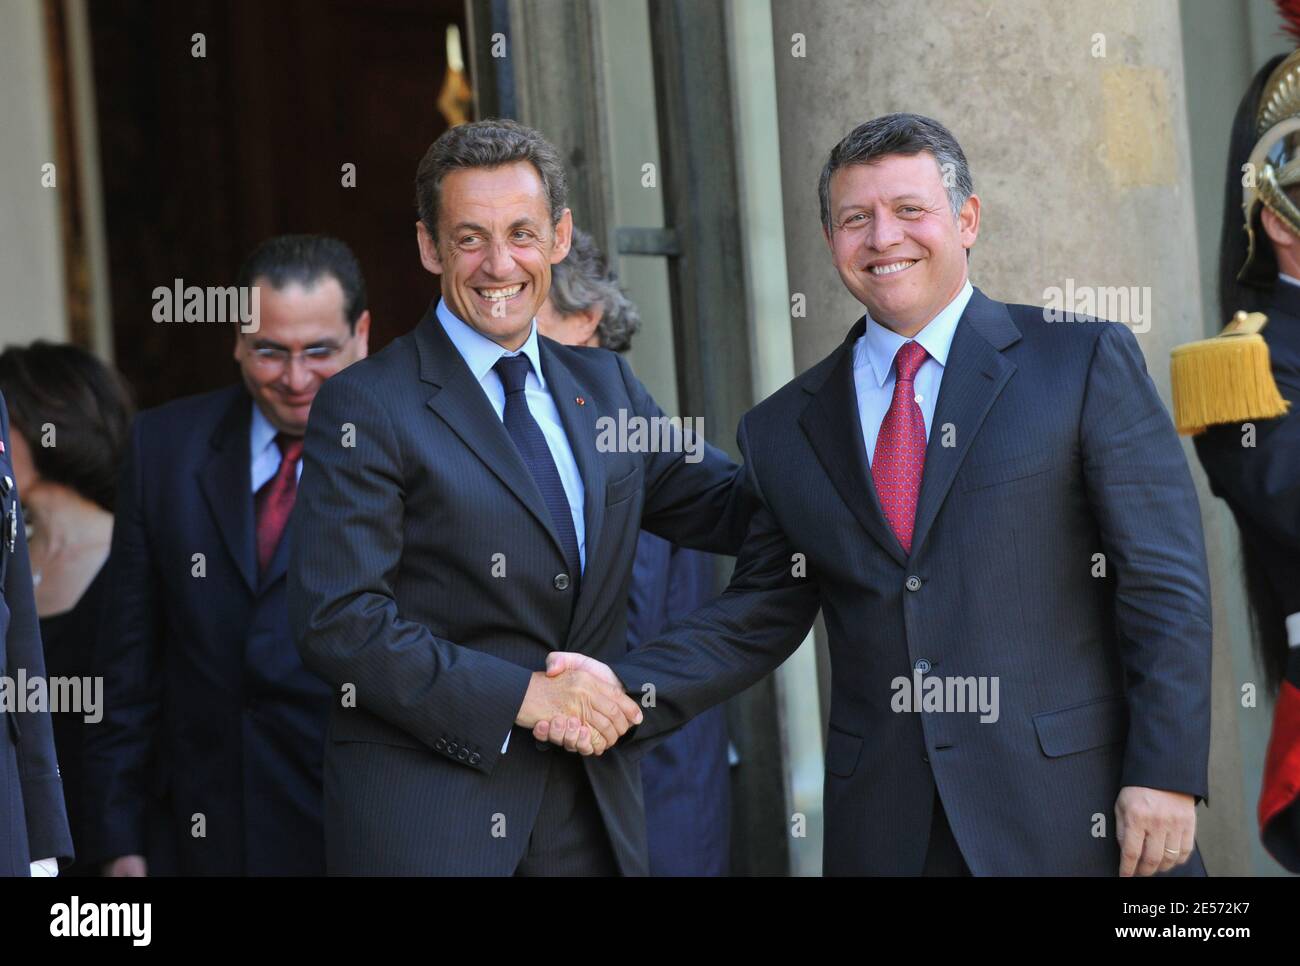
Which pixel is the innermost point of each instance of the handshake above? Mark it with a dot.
(577, 703)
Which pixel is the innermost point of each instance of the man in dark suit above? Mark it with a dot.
(34, 835)
(685, 779)
(208, 759)
(996, 518)
(463, 512)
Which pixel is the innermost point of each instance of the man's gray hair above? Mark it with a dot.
(487, 144)
(899, 134)
(583, 280)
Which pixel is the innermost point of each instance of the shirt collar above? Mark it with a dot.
(481, 353)
(881, 344)
(1283, 277)
(262, 434)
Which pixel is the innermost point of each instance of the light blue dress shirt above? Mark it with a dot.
(264, 455)
(481, 354)
(873, 367)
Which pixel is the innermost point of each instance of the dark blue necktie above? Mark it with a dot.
(531, 443)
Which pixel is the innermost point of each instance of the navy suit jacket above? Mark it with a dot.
(425, 584)
(33, 820)
(1049, 446)
(209, 710)
(686, 779)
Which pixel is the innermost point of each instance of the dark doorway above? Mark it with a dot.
(203, 157)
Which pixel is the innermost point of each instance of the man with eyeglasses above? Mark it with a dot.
(208, 758)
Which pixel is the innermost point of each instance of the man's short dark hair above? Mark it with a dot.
(583, 280)
(304, 259)
(899, 134)
(85, 401)
(488, 143)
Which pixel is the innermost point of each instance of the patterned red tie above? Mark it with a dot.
(900, 448)
(274, 501)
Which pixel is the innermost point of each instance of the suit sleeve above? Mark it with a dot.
(48, 834)
(346, 552)
(700, 504)
(1141, 492)
(730, 643)
(121, 751)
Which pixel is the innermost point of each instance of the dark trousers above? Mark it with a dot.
(569, 836)
(943, 857)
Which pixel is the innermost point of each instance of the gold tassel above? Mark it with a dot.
(1226, 379)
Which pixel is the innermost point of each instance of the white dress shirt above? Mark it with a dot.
(481, 354)
(873, 367)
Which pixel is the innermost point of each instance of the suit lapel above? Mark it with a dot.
(580, 427)
(834, 428)
(463, 405)
(226, 482)
(975, 375)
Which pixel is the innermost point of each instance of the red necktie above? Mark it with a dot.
(900, 448)
(274, 501)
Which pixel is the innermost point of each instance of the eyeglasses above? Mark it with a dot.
(315, 357)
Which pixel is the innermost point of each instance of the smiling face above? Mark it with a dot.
(495, 248)
(894, 239)
(302, 339)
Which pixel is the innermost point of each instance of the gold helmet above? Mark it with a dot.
(1274, 163)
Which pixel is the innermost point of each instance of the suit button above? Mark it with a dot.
(926, 759)
(463, 754)
(922, 666)
(913, 583)
(475, 758)
(561, 581)
(441, 744)
(451, 747)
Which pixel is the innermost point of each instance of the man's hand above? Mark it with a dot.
(126, 866)
(1156, 829)
(578, 703)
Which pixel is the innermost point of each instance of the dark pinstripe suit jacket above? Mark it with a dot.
(423, 573)
(1060, 450)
